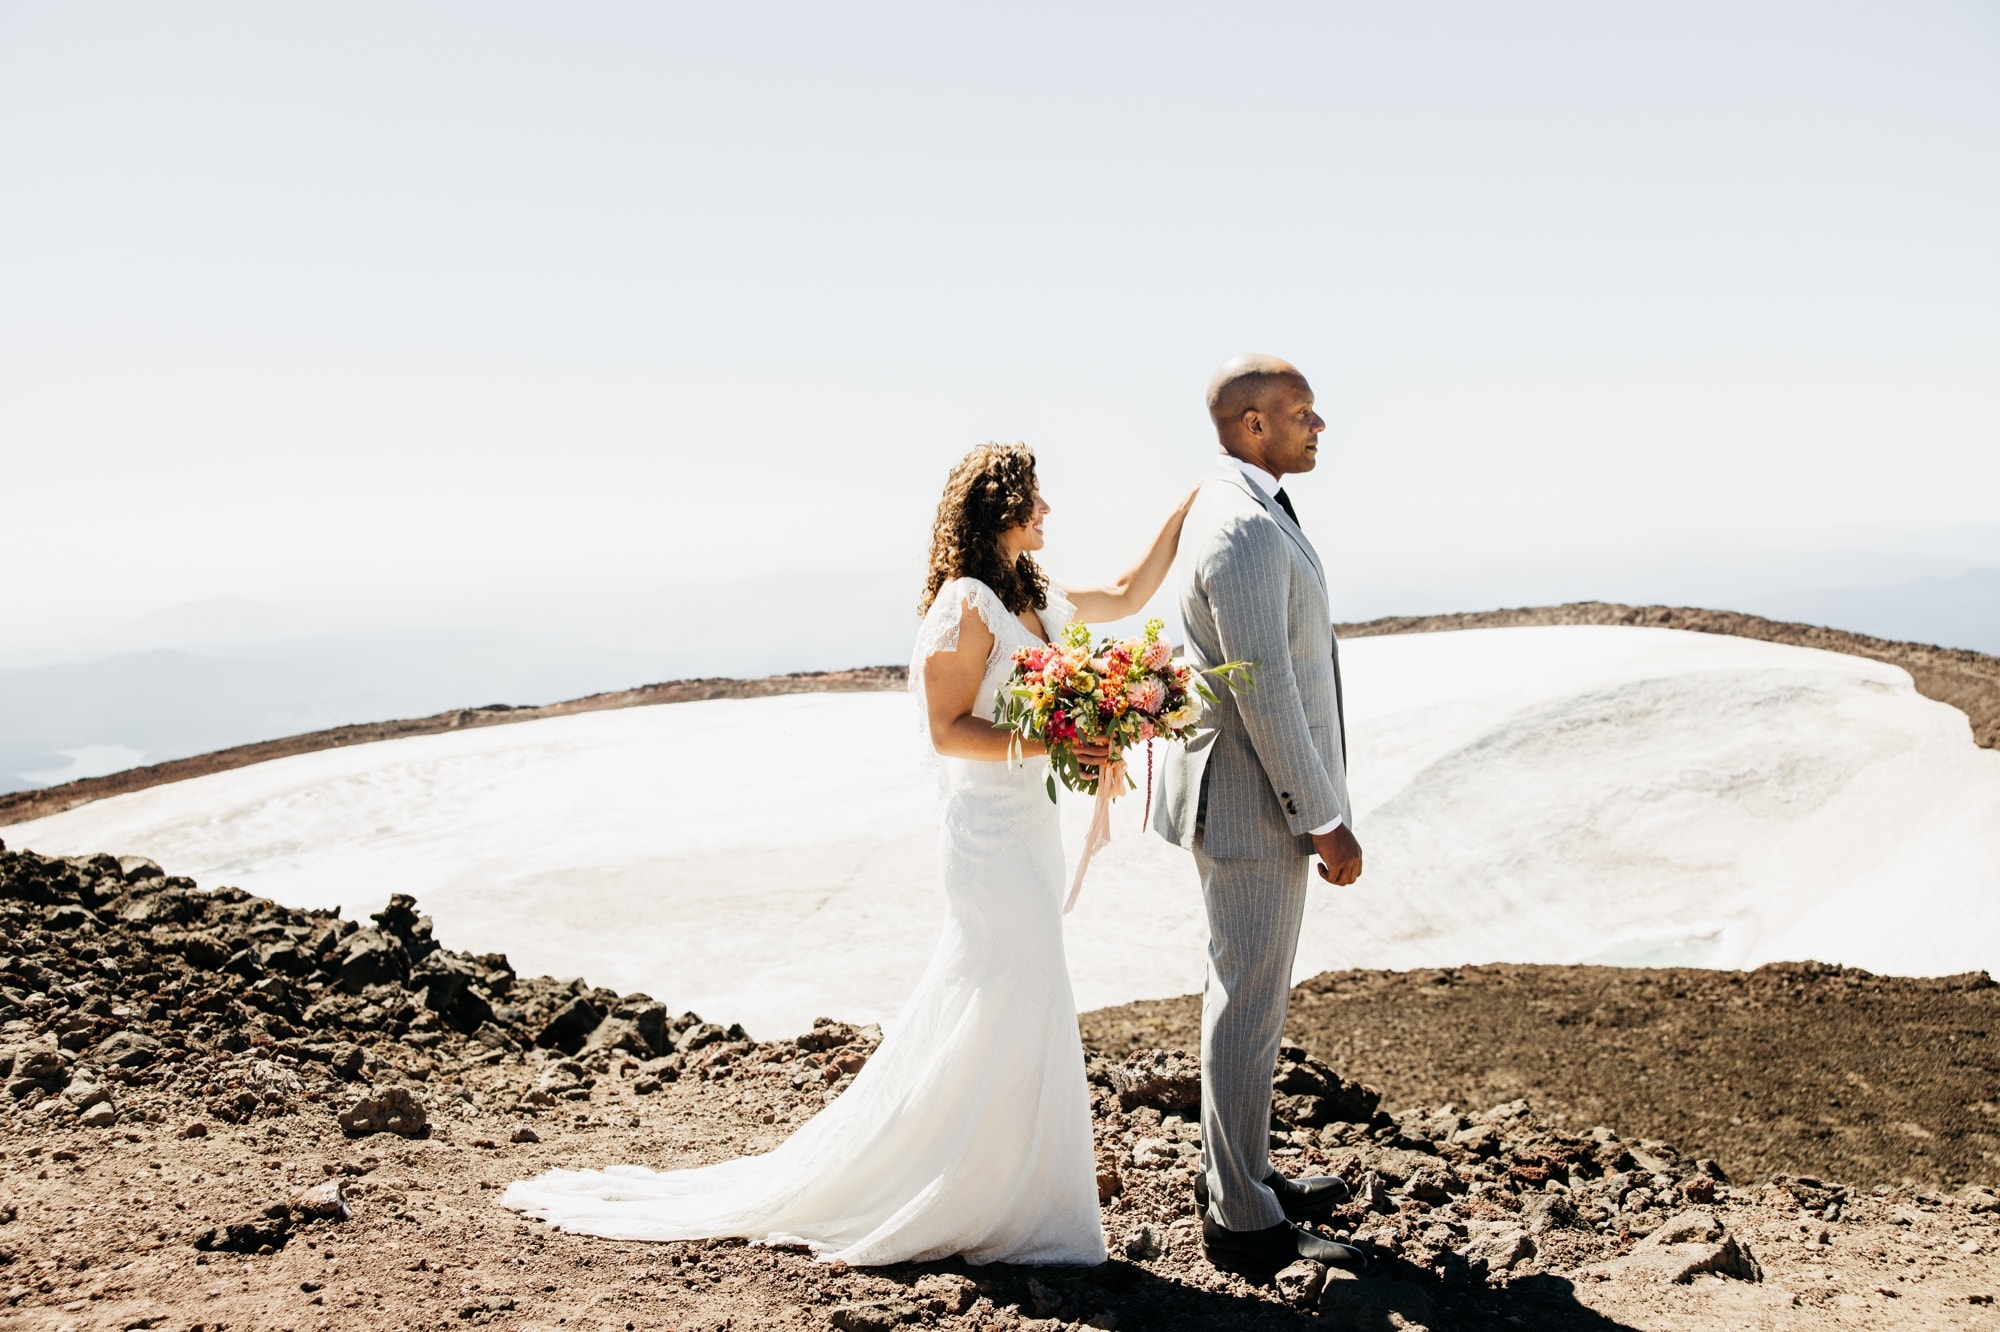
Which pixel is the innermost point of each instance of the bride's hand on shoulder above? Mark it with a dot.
(1130, 591)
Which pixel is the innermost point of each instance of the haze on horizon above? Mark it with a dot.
(630, 328)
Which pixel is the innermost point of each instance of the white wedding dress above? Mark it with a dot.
(968, 1132)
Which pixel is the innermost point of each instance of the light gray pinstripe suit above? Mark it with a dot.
(1267, 766)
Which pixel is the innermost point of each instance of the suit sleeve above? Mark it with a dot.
(1249, 586)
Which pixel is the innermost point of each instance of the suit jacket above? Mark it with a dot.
(1269, 765)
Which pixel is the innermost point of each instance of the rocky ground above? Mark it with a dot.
(1797, 1067)
(224, 1114)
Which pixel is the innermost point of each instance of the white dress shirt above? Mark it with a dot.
(1267, 483)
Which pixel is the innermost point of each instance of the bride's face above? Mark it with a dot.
(1017, 541)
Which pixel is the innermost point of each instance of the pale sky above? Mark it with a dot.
(392, 310)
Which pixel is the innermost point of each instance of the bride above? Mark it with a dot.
(968, 1131)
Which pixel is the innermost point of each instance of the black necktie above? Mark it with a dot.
(1285, 503)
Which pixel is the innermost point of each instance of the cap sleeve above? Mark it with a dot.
(1058, 613)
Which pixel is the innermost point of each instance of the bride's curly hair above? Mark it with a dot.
(991, 490)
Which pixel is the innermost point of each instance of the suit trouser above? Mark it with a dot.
(1254, 910)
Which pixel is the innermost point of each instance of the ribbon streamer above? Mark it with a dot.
(1110, 785)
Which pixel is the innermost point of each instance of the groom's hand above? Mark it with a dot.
(1339, 856)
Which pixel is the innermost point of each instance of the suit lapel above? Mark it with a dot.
(1291, 529)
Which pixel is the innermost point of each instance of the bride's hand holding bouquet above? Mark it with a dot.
(1120, 693)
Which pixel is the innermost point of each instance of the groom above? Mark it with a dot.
(1258, 792)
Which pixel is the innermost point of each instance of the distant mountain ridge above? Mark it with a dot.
(1961, 610)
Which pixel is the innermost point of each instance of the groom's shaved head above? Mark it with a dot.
(1247, 381)
(1263, 413)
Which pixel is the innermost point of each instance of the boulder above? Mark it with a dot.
(492, 1035)
(203, 950)
(447, 985)
(571, 1026)
(1678, 1264)
(254, 1233)
(1311, 1093)
(1168, 1080)
(43, 1060)
(1686, 1228)
(700, 1034)
(138, 869)
(82, 1095)
(874, 1316)
(68, 916)
(126, 1049)
(323, 1202)
(1300, 1283)
(1501, 1249)
(1481, 1140)
(370, 957)
(618, 1033)
(1432, 1183)
(945, 1293)
(399, 921)
(1544, 1212)
(1145, 1244)
(286, 958)
(391, 1110)
(649, 1017)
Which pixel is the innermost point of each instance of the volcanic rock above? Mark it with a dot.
(126, 1049)
(570, 1027)
(249, 1234)
(370, 957)
(1686, 1246)
(1299, 1284)
(1544, 1212)
(1310, 1093)
(42, 1060)
(390, 1110)
(1501, 1249)
(1167, 1080)
(874, 1316)
(323, 1201)
(1145, 1244)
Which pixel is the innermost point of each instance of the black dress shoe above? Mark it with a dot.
(1261, 1253)
(1303, 1199)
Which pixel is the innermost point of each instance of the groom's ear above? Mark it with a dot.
(1253, 421)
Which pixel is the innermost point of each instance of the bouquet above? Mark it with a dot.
(1121, 693)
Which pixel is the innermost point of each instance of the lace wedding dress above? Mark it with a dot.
(968, 1131)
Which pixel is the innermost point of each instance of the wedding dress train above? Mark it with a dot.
(968, 1132)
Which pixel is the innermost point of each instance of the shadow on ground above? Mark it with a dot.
(1394, 1295)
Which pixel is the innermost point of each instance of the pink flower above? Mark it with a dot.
(1157, 656)
(1148, 696)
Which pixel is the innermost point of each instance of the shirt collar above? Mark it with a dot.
(1260, 478)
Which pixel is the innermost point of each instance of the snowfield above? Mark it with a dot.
(1560, 794)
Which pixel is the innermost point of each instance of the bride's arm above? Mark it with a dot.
(951, 688)
(1135, 587)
